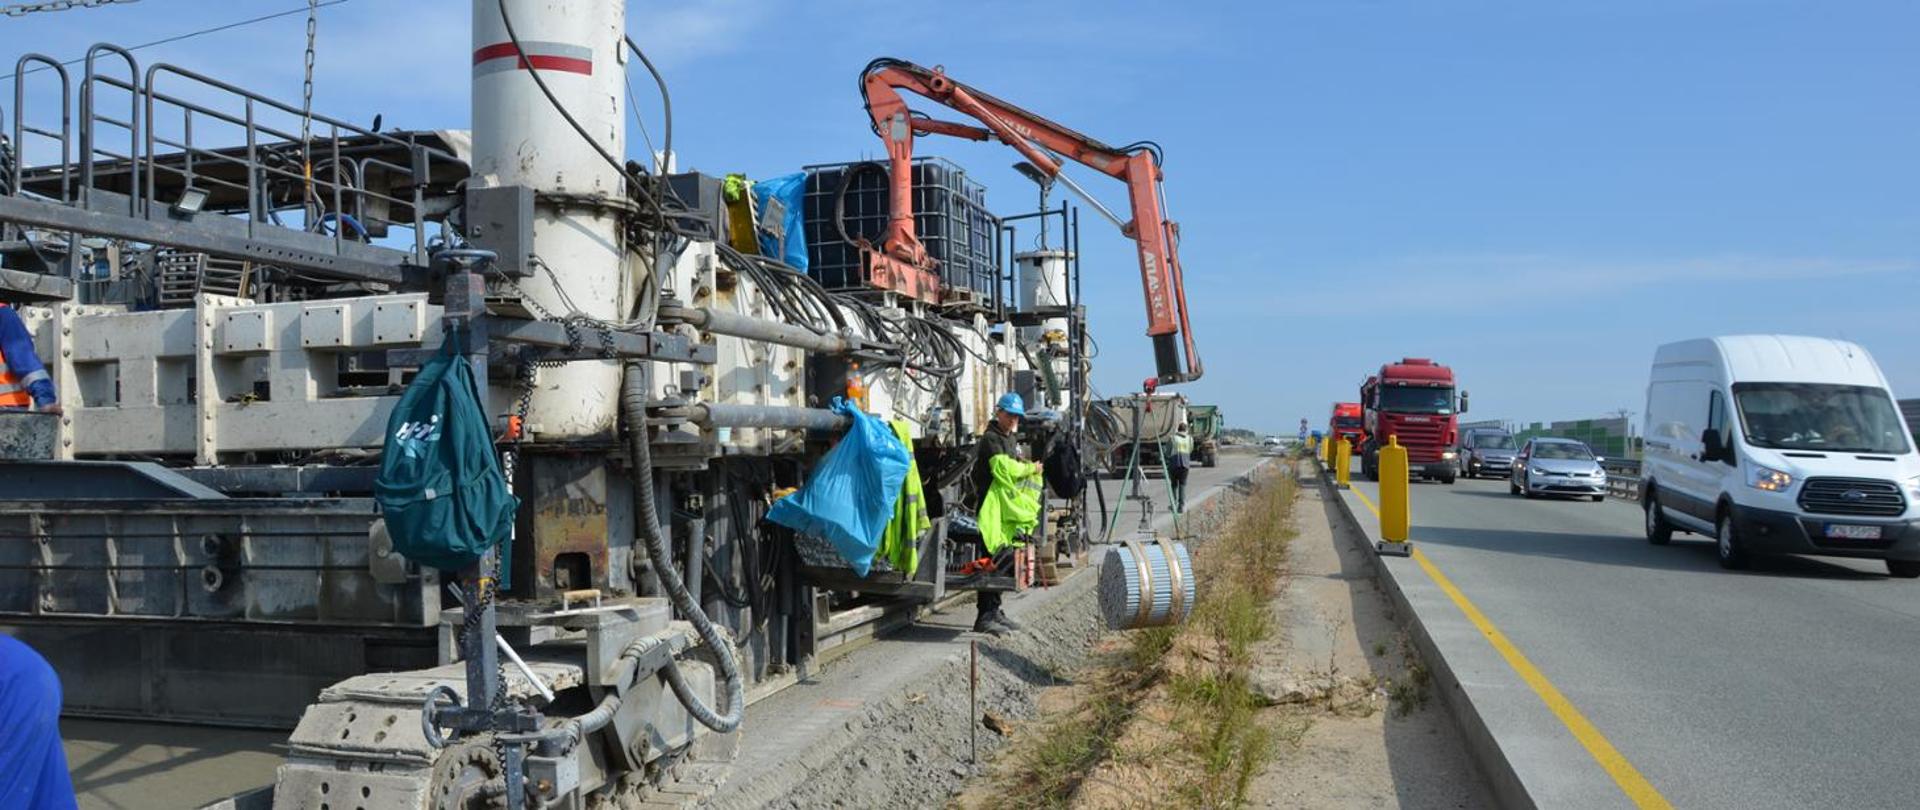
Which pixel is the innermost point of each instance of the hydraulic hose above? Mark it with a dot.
(633, 404)
(592, 721)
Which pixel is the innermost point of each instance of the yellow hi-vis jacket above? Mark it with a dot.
(899, 544)
(1012, 505)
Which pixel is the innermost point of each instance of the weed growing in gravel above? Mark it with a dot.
(1218, 714)
(1410, 691)
(1217, 740)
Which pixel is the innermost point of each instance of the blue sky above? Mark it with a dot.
(1534, 193)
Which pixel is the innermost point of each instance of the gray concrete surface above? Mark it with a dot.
(1784, 686)
(1342, 639)
(134, 766)
(890, 719)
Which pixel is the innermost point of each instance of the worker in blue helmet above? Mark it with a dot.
(999, 439)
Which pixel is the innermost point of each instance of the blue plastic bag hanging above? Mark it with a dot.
(782, 227)
(849, 498)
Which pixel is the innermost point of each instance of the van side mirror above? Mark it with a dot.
(1710, 447)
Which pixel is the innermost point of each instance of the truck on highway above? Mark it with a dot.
(1347, 422)
(1412, 399)
(1779, 444)
(1204, 423)
(1141, 425)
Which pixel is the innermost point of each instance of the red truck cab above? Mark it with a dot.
(1413, 399)
(1348, 422)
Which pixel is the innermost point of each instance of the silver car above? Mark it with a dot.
(1557, 467)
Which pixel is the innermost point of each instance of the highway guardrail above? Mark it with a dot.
(1623, 477)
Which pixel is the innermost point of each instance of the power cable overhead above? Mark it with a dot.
(190, 34)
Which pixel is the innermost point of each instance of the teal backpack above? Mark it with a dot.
(440, 486)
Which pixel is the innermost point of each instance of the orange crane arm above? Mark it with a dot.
(1039, 141)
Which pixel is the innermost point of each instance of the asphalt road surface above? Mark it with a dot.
(1790, 685)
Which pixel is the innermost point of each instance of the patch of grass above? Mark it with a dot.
(1218, 717)
(1062, 754)
(1410, 691)
(1050, 765)
(1379, 649)
(1147, 649)
(1220, 738)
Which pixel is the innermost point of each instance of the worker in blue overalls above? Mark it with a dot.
(23, 380)
(33, 766)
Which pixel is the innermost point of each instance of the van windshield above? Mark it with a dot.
(1411, 399)
(1492, 441)
(1812, 416)
(1346, 421)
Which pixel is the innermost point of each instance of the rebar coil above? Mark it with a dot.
(1146, 584)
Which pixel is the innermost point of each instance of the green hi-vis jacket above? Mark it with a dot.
(1012, 505)
(899, 543)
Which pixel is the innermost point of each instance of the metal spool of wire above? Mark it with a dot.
(1146, 584)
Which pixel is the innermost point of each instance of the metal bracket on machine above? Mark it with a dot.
(665, 347)
(550, 340)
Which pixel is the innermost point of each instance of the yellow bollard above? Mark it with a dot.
(1326, 453)
(1395, 512)
(1342, 462)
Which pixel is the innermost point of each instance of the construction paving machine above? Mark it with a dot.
(232, 292)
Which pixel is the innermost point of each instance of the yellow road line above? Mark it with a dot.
(1636, 786)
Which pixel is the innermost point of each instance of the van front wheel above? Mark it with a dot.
(1904, 569)
(1732, 555)
(1659, 531)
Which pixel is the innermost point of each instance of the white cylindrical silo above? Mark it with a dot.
(520, 138)
(1043, 281)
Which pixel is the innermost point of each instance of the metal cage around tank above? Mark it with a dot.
(849, 202)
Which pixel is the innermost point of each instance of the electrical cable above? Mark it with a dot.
(189, 35)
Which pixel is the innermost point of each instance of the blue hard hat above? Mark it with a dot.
(1010, 402)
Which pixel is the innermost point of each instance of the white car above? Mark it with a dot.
(1776, 443)
(1548, 466)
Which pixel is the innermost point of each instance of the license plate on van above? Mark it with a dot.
(1842, 531)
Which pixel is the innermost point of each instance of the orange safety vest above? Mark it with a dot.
(13, 390)
(13, 393)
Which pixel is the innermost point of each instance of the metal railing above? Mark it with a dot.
(187, 131)
(1623, 477)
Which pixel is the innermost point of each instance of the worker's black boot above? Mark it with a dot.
(984, 623)
(1000, 618)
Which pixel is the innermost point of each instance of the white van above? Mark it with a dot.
(1780, 444)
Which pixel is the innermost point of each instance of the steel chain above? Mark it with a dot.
(306, 117)
(571, 323)
(23, 9)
